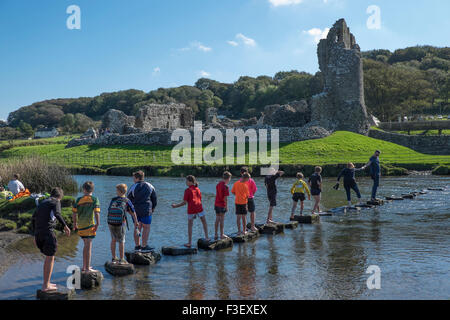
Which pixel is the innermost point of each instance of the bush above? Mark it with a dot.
(37, 175)
(442, 170)
(7, 225)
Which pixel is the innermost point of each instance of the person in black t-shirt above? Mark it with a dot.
(315, 184)
(270, 182)
(43, 222)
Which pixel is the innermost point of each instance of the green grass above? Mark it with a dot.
(6, 144)
(427, 133)
(339, 148)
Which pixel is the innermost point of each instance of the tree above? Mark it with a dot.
(26, 129)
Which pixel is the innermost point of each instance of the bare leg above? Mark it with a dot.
(238, 223)
(87, 251)
(205, 227)
(294, 206)
(113, 248)
(190, 223)
(48, 270)
(269, 215)
(222, 224)
(122, 250)
(136, 237)
(216, 227)
(252, 220)
(145, 234)
(244, 223)
(302, 205)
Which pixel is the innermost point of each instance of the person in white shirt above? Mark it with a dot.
(15, 186)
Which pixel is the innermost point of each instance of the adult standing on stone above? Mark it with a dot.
(143, 196)
(375, 172)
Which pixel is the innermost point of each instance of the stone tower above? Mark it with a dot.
(341, 105)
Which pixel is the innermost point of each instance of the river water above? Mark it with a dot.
(408, 240)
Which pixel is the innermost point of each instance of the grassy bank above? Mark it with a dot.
(16, 215)
(330, 152)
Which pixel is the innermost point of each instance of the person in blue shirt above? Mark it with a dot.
(143, 197)
(375, 172)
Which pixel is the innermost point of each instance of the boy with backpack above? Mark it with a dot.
(117, 217)
(86, 219)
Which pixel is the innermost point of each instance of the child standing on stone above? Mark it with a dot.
(241, 192)
(298, 191)
(43, 222)
(117, 217)
(86, 219)
(271, 186)
(315, 183)
(193, 199)
(251, 199)
(221, 204)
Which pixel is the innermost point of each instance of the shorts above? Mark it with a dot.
(241, 209)
(298, 197)
(192, 216)
(46, 243)
(117, 232)
(145, 219)
(251, 205)
(220, 210)
(87, 233)
(272, 199)
(315, 192)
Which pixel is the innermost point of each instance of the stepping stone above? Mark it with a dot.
(329, 213)
(119, 270)
(178, 251)
(61, 293)
(408, 196)
(307, 219)
(394, 198)
(377, 202)
(215, 244)
(364, 206)
(291, 225)
(436, 189)
(423, 192)
(91, 280)
(270, 228)
(143, 258)
(250, 235)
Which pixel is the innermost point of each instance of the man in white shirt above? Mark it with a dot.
(15, 186)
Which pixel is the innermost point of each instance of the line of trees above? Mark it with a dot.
(408, 81)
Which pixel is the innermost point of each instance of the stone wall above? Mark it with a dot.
(437, 145)
(164, 116)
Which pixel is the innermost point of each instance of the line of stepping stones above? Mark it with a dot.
(94, 279)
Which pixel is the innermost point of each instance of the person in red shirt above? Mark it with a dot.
(221, 205)
(193, 199)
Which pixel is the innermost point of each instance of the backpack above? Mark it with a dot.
(117, 211)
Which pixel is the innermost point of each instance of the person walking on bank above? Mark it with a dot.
(143, 197)
(349, 182)
(375, 172)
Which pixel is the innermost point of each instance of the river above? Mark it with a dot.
(408, 240)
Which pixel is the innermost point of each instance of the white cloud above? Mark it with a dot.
(157, 70)
(317, 33)
(233, 43)
(277, 3)
(204, 74)
(247, 41)
(196, 45)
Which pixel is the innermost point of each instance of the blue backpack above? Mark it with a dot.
(117, 211)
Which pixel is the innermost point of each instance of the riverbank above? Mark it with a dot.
(9, 257)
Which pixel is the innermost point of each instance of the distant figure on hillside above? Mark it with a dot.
(350, 182)
(375, 172)
(15, 186)
(143, 196)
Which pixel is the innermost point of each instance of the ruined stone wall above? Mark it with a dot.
(437, 145)
(164, 116)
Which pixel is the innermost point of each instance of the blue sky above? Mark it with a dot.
(148, 44)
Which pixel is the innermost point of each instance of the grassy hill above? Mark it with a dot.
(339, 148)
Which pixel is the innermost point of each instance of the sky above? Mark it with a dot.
(149, 44)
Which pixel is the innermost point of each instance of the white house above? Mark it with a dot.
(46, 133)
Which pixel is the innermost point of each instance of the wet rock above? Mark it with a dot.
(143, 258)
(215, 244)
(61, 293)
(365, 205)
(119, 270)
(394, 198)
(408, 196)
(376, 202)
(307, 219)
(270, 228)
(250, 235)
(91, 280)
(436, 189)
(290, 225)
(178, 251)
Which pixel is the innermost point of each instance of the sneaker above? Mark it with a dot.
(147, 248)
(137, 248)
(114, 260)
(123, 262)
